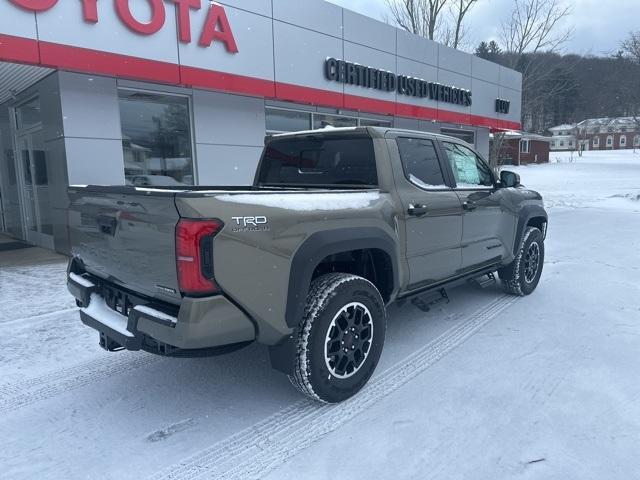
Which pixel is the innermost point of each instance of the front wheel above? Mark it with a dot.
(521, 276)
(340, 337)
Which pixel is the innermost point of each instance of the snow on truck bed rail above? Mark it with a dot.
(305, 202)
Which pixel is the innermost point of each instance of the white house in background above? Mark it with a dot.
(608, 133)
(563, 130)
(563, 137)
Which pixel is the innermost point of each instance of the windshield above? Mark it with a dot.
(319, 161)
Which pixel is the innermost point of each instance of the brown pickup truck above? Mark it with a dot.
(338, 224)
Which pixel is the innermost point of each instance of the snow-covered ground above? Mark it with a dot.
(487, 386)
(606, 179)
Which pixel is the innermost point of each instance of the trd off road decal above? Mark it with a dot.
(250, 224)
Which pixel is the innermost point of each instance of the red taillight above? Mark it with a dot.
(194, 256)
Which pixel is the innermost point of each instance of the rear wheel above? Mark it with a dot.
(340, 337)
(521, 276)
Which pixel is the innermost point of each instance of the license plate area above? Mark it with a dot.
(123, 301)
(118, 300)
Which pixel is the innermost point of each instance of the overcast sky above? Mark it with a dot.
(599, 25)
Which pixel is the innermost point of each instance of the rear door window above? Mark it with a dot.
(420, 162)
(319, 161)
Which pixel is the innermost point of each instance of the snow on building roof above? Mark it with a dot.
(608, 122)
(516, 134)
(564, 126)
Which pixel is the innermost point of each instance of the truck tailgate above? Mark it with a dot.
(127, 236)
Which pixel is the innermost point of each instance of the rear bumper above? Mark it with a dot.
(112, 338)
(200, 323)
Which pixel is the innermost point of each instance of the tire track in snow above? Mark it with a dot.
(26, 392)
(255, 451)
(36, 318)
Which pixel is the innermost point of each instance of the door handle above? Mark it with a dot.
(417, 210)
(469, 205)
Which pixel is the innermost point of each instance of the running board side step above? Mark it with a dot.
(484, 281)
(425, 301)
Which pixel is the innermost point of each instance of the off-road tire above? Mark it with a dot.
(517, 277)
(328, 299)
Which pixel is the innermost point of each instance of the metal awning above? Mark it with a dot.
(14, 78)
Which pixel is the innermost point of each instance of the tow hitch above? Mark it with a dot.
(108, 343)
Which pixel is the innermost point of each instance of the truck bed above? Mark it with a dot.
(127, 235)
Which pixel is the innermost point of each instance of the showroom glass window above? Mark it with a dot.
(281, 121)
(465, 135)
(368, 122)
(156, 139)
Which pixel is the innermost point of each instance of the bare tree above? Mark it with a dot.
(534, 26)
(460, 10)
(631, 46)
(631, 50)
(422, 17)
(496, 151)
(533, 32)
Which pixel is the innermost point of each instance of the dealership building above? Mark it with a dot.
(180, 92)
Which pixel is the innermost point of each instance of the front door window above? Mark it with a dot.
(469, 170)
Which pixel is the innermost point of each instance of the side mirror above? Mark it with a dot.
(509, 179)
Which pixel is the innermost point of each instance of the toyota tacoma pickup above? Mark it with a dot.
(338, 224)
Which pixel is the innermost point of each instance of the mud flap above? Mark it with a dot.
(283, 355)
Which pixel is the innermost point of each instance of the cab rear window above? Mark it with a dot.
(319, 161)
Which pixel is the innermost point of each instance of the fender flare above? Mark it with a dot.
(527, 213)
(328, 242)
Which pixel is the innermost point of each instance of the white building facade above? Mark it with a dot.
(607, 133)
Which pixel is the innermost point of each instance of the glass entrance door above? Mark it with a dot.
(34, 183)
(32, 176)
(9, 192)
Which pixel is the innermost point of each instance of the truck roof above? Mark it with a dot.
(373, 131)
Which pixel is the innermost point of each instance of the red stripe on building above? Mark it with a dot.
(372, 105)
(312, 96)
(66, 57)
(483, 121)
(508, 125)
(416, 111)
(228, 82)
(454, 117)
(105, 63)
(18, 49)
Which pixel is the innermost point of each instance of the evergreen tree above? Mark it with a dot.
(482, 50)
